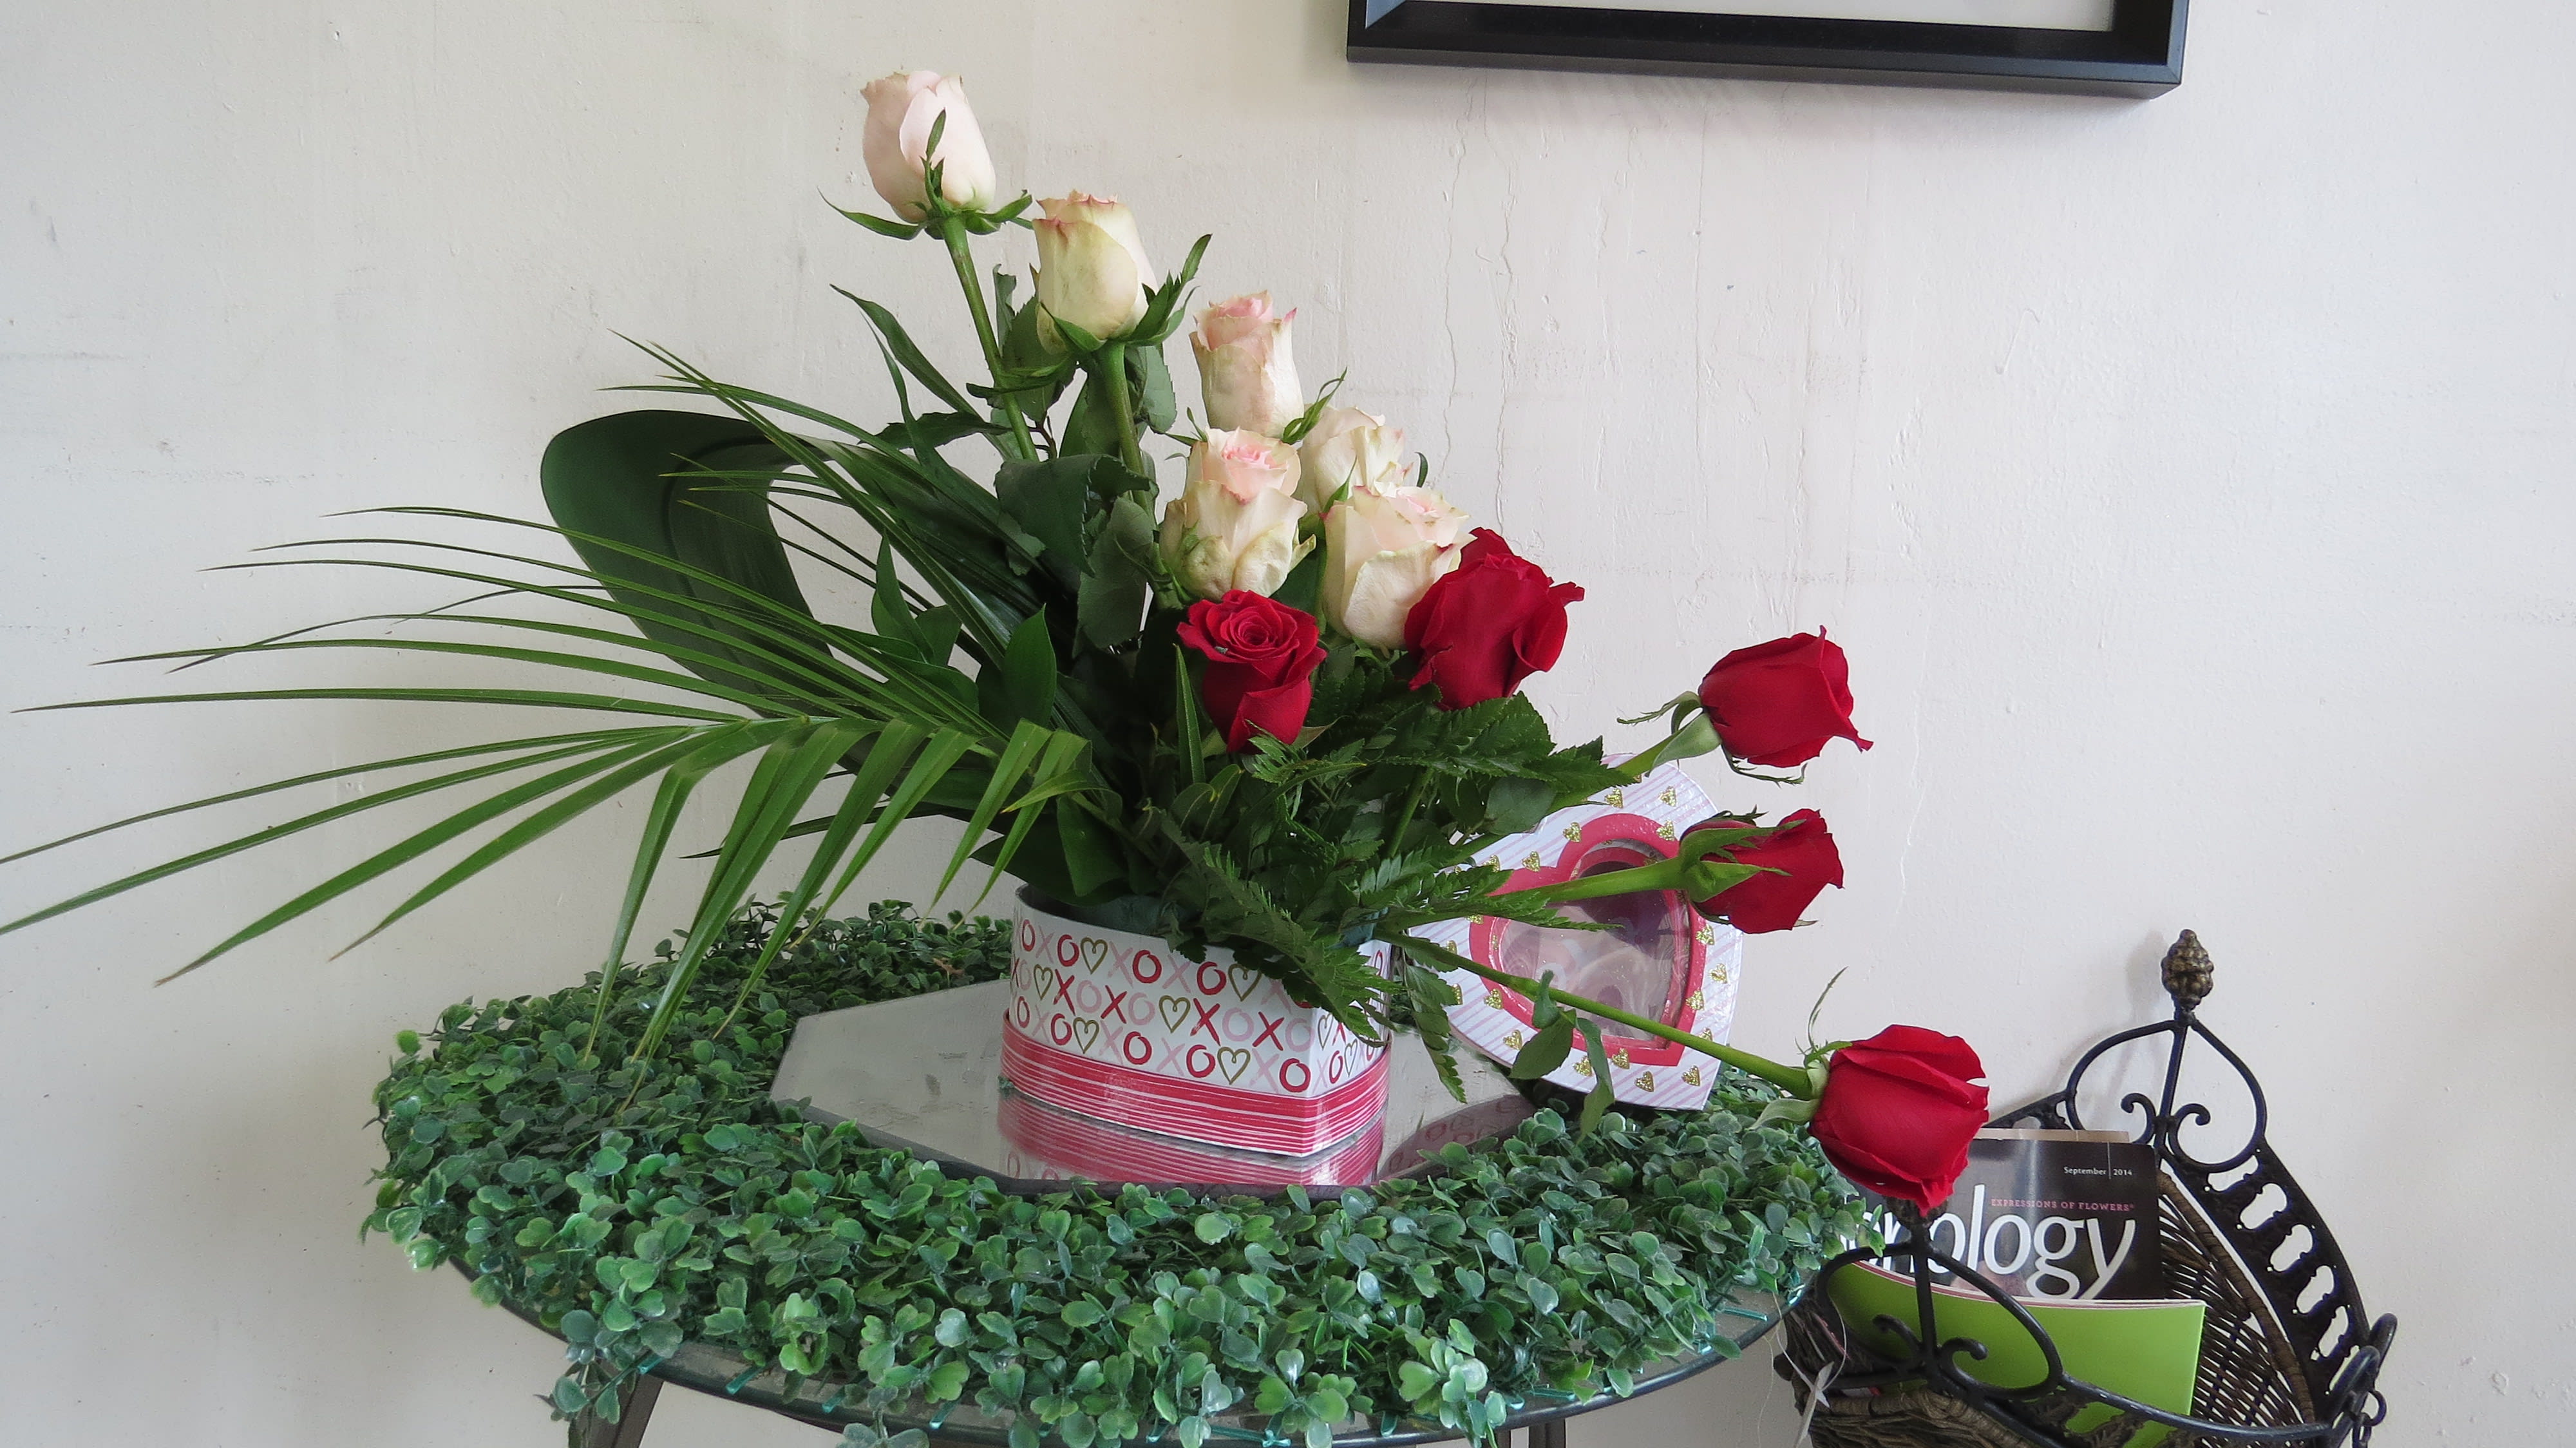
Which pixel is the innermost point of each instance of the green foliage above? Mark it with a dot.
(636, 1205)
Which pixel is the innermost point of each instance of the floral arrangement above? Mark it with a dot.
(1277, 712)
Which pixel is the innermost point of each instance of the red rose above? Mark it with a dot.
(1898, 1112)
(1780, 703)
(1261, 664)
(1489, 623)
(1802, 849)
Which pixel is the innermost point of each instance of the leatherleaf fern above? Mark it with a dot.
(636, 1204)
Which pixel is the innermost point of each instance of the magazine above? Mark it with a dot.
(2065, 1222)
(2055, 1216)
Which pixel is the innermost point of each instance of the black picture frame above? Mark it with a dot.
(2139, 56)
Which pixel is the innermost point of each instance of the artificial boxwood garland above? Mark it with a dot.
(634, 1206)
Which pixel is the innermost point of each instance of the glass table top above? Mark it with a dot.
(926, 1074)
(702, 1368)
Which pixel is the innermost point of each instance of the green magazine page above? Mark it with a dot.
(2148, 1351)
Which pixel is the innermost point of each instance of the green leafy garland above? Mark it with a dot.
(634, 1206)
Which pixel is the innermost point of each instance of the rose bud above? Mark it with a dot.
(1246, 374)
(1898, 1112)
(1234, 526)
(1801, 849)
(1350, 449)
(1092, 270)
(901, 108)
(1492, 622)
(1382, 550)
(1780, 703)
(1261, 663)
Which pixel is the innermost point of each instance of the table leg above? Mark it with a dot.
(628, 1430)
(1550, 1434)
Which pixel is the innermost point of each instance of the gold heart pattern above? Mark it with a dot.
(1218, 1024)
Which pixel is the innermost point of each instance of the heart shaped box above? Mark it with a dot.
(1124, 1028)
(1662, 960)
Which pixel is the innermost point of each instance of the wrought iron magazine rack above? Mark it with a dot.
(2288, 1354)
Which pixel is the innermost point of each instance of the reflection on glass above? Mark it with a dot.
(925, 1074)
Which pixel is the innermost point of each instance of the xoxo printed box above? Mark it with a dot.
(1122, 1027)
(1659, 959)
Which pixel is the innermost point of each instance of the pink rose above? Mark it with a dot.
(901, 108)
(1246, 374)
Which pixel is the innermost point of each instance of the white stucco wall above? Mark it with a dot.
(2188, 480)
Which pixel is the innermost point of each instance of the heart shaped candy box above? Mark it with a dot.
(1658, 959)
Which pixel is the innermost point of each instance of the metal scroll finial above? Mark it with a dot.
(2188, 973)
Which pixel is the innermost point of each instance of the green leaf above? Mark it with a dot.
(1546, 1051)
(1153, 387)
(696, 752)
(952, 1330)
(1028, 741)
(1162, 313)
(1596, 1104)
(1120, 577)
(1304, 585)
(900, 343)
(1052, 499)
(1515, 805)
(1431, 998)
(1091, 429)
(417, 845)
(379, 766)
(1188, 719)
(946, 1381)
(595, 745)
(788, 773)
(938, 756)
(1029, 674)
(936, 430)
(899, 230)
(639, 478)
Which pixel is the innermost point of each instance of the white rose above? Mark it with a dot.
(1246, 373)
(1092, 270)
(1383, 548)
(1353, 449)
(1235, 523)
(901, 108)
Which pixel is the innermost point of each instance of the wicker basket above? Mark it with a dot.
(2286, 1343)
(2249, 1373)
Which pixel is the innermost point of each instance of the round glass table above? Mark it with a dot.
(924, 1074)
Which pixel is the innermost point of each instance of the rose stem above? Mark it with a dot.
(953, 228)
(1111, 360)
(1792, 1079)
